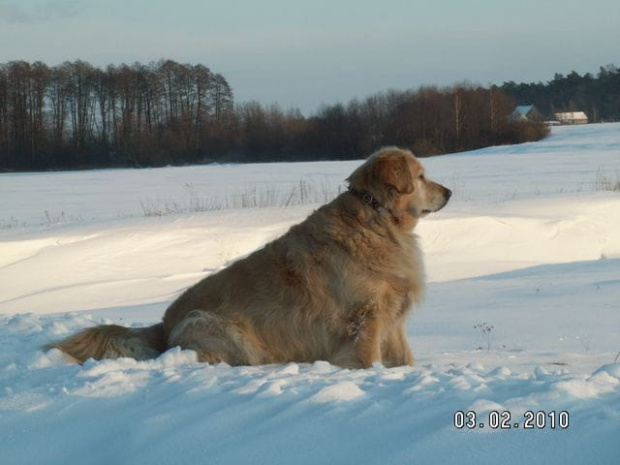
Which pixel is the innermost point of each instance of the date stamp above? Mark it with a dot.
(502, 420)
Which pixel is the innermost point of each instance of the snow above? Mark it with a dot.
(529, 246)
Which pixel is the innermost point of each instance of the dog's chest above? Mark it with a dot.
(394, 270)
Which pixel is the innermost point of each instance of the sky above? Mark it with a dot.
(303, 54)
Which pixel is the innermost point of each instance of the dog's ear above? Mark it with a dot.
(386, 171)
(393, 171)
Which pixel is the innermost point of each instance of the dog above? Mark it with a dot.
(336, 287)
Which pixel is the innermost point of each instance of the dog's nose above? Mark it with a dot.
(448, 193)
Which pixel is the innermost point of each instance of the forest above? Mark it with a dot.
(598, 96)
(77, 116)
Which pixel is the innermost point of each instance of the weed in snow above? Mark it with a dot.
(50, 219)
(11, 223)
(606, 182)
(486, 329)
(303, 193)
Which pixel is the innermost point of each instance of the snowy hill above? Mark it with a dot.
(522, 315)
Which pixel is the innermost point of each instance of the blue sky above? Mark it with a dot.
(303, 54)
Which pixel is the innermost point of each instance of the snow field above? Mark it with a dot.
(529, 247)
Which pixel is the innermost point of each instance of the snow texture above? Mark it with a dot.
(522, 315)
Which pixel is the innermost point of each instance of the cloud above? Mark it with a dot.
(15, 12)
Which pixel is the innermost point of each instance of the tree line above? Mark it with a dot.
(597, 95)
(429, 121)
(75, 115)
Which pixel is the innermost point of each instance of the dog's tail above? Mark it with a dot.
(113, 341)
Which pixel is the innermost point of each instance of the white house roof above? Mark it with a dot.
(571, 115)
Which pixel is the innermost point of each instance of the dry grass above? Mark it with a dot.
(303, 193)
(11, 223)
(606, 182)
(48, 220)
(53, 219)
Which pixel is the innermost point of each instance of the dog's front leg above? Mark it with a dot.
(361, 341)
(368, 343)
(365, 332)
(395, 349)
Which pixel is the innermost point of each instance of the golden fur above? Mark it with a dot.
(336, 287)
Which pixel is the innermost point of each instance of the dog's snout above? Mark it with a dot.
(448, 193)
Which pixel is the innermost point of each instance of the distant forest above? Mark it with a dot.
(76, 116)
(598, 96)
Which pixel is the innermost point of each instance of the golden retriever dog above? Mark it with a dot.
(336, 287)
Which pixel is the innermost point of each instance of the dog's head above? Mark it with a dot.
(395, 178)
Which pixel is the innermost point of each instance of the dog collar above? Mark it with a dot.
(367, 198)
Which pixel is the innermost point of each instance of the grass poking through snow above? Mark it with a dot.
(303, 193)
(606, 182)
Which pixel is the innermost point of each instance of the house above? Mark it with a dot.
(526, 113)
(571, 117)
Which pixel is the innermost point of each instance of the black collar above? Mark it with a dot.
(367, 198)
